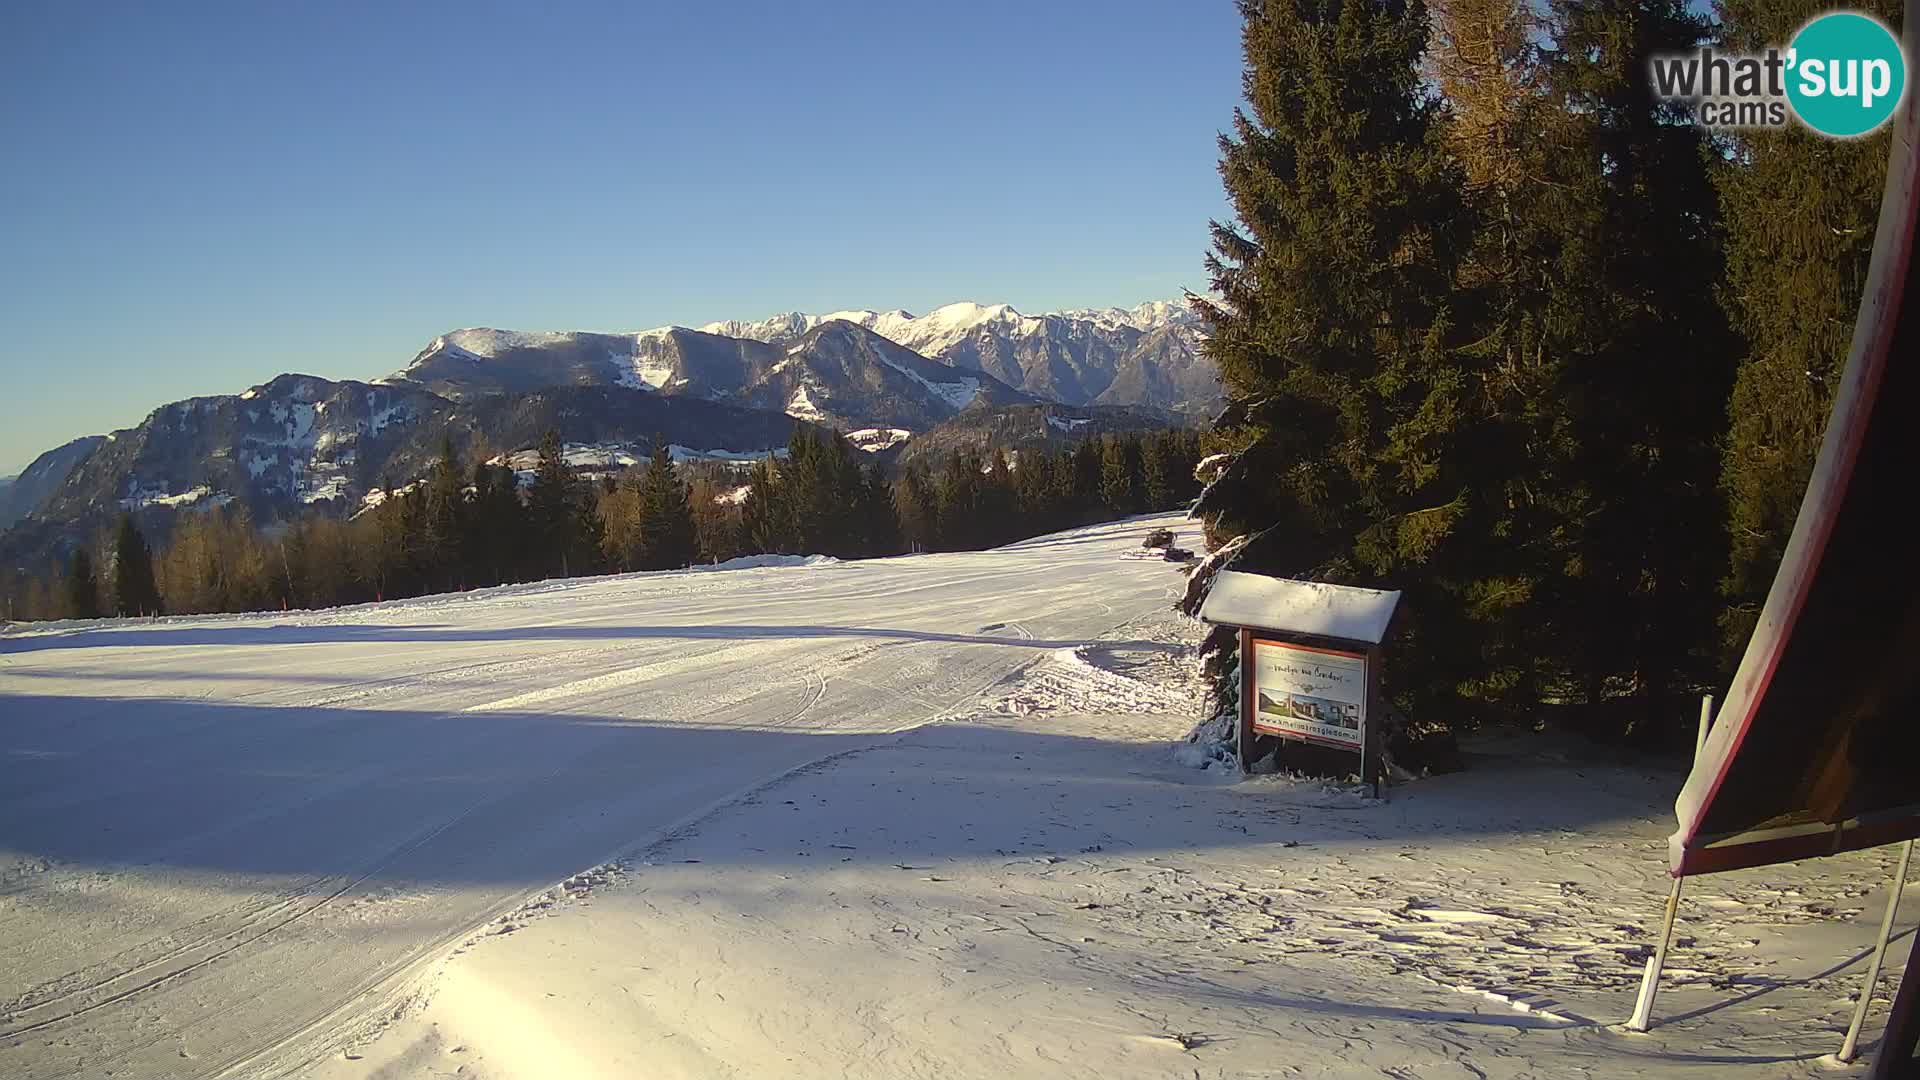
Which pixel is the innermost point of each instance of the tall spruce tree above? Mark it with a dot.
(1156, 471)
(666, 515)
(765, 524)
(879, 525)
(916, 503)
(622, 528)
(553, 510)
(496, 539)
(444, 521)
(1799, 215)
(1652, 357)
(134, 591)
(959, 489)
(83, 586)
(1525, 304)
(1333, 329)
(1118, 490)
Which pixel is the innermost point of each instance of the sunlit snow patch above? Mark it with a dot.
(801, 406)
(874, 440)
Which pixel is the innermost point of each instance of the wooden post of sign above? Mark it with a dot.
(1374, 725)
(1245, 738)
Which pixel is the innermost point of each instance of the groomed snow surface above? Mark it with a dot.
(905, 817)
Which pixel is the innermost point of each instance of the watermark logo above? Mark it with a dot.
(1842, 75)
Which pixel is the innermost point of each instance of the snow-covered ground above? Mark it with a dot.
(702, 825)
(234, 840)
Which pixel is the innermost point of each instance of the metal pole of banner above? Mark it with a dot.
(1650, 980)
(1851, 1046)
(1895, 1058)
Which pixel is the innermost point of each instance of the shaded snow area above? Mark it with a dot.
(957, 394)
(904, 817)
(1032, 888)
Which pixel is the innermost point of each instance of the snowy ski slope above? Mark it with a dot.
(225, 840)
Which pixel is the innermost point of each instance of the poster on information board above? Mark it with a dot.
(1310, 693)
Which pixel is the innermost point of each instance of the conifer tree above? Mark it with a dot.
(444, 520)
(553, 510)
(1122, 481)
(716, 516)
(83, 586)
(917, 506)
(1333, 331)
(39, 602)
(134, 592)
(958, 493)
(998, 501)
(1156, 471)
(1653, 356)
(1799, 215)
(1081, 483)
(764, 519)
(1035, 489)
(1522, 157)
(496, 525)
(666, 516)
(879, 525)
(622, 531)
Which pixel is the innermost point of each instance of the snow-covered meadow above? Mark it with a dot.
(914, 816)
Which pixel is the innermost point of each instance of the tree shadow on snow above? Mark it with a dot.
(164, 636)
(523, 798)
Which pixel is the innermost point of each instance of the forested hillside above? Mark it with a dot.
(1504, 331)
(472, 524)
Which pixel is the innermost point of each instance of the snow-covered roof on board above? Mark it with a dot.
(1299, 607)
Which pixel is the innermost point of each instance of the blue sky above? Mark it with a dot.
(198, 196)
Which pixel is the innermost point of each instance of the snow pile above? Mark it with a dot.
(755, 562)
(1210, 743)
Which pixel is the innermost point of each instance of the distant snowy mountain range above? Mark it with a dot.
(1141, 356)
(729, 389)
(1146, 356)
